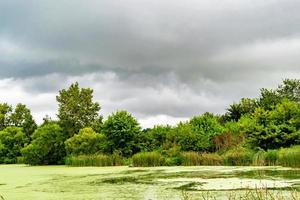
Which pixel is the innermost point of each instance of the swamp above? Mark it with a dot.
(150, 183)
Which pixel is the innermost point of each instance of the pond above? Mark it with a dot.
(62, 182)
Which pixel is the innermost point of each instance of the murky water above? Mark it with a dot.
(61, 182)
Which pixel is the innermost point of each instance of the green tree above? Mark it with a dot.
(47, 146)
(122, 130)
(187, 138)
(268, 99)
(290, 89)
(12, 140)
(237, 110)
(5, 111)
(21, 117)
(271, 129)
(87, 141)
(77, 109)
(206, 127)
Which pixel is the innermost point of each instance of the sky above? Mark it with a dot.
(163, 61)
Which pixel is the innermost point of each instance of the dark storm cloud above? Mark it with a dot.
(179, 58)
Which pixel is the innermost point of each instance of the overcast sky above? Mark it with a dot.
(163, 61)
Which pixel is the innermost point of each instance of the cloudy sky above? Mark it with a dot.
(163, 61)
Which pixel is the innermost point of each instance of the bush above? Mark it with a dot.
(12, 140)
(238, 157)
(47, 146)
(122, 131)
(99, 160)
(87, 141)
(148, 159)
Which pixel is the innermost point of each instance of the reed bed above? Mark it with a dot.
(94, 160)
(148, 159)
(289, 157)
(195, 158)
(238, 157)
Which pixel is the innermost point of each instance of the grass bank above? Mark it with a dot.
(240, 156)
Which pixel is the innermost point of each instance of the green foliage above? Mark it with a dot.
(21, 117)
(122, 131)
(12, 140)
(275, 128)
(188, 139)
(87, 141)
(148, 159)
(237, 110)
(158, 137)
(5, 111)
(47, 146)
(290, 89)
(206, 127)
(94, 160)
(77, 109)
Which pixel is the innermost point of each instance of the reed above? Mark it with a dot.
(94, 160)
(271, 157)
(195, 158)
(259, 158)
(148, 159)
(239, 156)
(289, 157)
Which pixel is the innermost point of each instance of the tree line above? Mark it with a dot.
(270, 121)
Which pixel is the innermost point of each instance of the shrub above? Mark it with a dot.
(148, 159)
(122, 131)
(87, 141)
(47, 146)
(12, 140)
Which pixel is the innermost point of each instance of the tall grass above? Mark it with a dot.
(259, 158)
(289, 157)
(271, 157)
(249, 194)
(195, 158)
(239, 156)
(94, 160)
(148, 159)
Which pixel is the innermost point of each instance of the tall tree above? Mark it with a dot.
(21, 117)
(77, 109)
(121, 130)
(47, 146)
(12, 140)
(290, 89)
(237, 110)
(5, 111)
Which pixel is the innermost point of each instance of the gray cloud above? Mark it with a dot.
(160, 60)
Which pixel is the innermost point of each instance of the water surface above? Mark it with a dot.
(62, 182)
